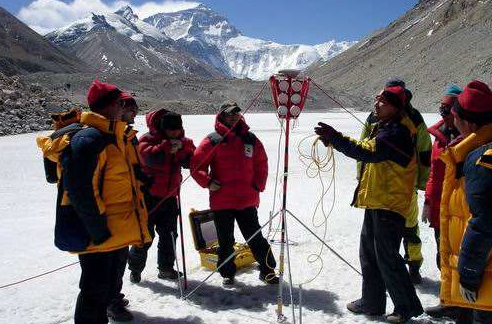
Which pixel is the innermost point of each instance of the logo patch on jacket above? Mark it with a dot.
(248, 150)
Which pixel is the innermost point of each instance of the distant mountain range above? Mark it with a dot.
(22, 50)
(195, 41)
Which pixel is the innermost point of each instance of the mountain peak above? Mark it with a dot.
(202, 6)
(127, 13)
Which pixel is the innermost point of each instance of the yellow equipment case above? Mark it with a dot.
(205, 239)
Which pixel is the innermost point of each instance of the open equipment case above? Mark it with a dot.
(206, 243)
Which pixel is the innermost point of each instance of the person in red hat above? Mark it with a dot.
(117, 308)
(385, 190)
(466, 209)
(164, 151)
(104, 195)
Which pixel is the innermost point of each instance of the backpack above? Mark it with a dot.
(70, 232)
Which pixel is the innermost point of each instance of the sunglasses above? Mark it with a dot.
(444, 110)
(232, 113)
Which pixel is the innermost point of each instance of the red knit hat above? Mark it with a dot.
(101, 94)
(475, 103)
(395, 95)
(128, 98)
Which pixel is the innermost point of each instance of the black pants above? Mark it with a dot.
(100, 283)
(247, 220)
(164, 221)
(383, 268)
(482, 317)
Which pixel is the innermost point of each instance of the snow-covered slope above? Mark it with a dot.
(204, 35)
(120, 41)
(220, 43)
(27, 214)
(124, 21)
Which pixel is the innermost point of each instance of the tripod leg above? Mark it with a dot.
(290, 274)
(324, 243)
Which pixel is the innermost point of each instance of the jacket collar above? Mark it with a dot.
(103, 124)
(457, 154)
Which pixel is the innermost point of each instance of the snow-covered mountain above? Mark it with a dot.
(199, 34)
(120, 41)
(214, 39)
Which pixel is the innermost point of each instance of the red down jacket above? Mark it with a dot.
(433, 190)
(239, 162)
(158, 162)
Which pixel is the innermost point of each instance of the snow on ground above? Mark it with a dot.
(27, 214)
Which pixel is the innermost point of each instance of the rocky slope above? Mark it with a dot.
(435, 43)
(22, 50)
(26, 107)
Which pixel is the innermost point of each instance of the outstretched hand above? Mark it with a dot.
(325, 132)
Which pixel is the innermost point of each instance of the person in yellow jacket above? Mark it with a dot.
(385, 190)
(423, 145)
(100, 207)
(466, 207)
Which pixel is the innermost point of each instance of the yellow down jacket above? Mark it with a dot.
(100, 205)
(455, 215)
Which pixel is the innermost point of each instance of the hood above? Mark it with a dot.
(152, 119)
(240, 129)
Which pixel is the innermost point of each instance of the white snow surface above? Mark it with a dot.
(27, 211)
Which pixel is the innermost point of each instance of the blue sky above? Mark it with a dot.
(283, 21)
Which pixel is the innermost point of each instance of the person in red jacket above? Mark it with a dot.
(163, 151)
(444, 132)
(238, 173)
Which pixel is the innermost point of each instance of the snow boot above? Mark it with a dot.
(270, 278)
(169, 274)
(228, 281)
(135, 277)
(440, 311)
(118, 313)
(123, 302)
(356, 307)
(396, 318)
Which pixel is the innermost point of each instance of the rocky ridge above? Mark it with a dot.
(26, 107)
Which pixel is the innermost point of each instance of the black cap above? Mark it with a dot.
(229, 107)
(395, 82)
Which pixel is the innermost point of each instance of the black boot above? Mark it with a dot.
(118, 313)
(135, 277)
(443, 311)
(357, 307)
(169, 274)
(228, 281)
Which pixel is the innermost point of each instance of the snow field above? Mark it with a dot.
(27, 211)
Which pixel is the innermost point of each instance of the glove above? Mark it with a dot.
(326, 133)
(101, 237)
(214, 185)
(469, 295)
(425, 213)
(176, 145)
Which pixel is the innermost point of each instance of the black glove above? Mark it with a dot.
(326, 133)
(101, 237)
